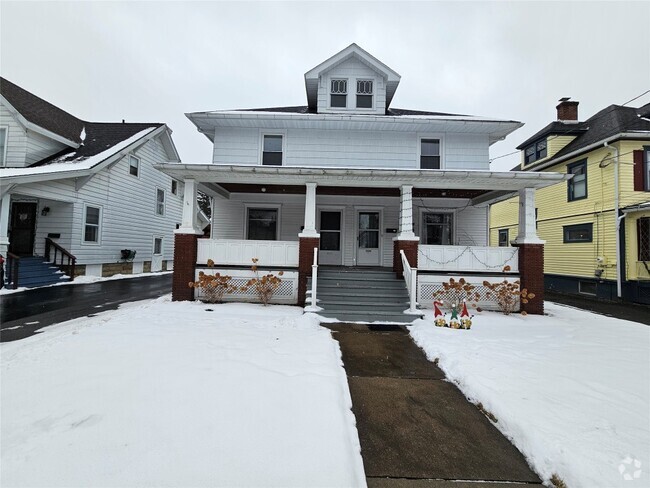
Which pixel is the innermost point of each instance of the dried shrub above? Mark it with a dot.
(558, 482)
(455, 291)
(265, 286)
(506, 294)
(213, 286)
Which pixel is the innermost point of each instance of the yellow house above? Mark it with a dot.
(597, 225)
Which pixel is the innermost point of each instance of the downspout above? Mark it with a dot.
(617, 222)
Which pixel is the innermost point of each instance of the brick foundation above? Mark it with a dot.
(410, 249)
(184, 266)
(531, 272)
(305, 261)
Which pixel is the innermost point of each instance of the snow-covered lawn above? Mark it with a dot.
(570, 389)
(169, 394)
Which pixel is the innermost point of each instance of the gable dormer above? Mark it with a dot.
(352, 82)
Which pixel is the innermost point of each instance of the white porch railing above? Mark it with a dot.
(314, 280)
(411, 280)
(468, 258)
(236, 252)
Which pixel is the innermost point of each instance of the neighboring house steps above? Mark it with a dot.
(35, 271)
(362, 295)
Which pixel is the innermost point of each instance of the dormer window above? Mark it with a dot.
(535, 151)
(339, 94)
(364, 93)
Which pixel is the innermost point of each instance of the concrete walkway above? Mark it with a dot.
(417, 430)
(24, 313)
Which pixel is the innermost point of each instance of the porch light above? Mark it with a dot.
(45, 211)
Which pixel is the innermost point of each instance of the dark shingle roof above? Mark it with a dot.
(42, 113)
(304, 109)
(99, 136)
(609, 122)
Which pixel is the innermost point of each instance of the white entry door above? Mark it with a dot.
(368, 238)
(157, 255)
(330, 237)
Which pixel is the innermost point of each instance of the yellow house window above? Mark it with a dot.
(535, 151)
(643, 236)
(577, 186)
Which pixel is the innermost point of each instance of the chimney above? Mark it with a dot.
(567, 111)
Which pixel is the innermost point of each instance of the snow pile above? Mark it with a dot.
(571, 389)
(170, 394)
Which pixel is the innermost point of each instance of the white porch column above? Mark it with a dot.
(4, 224)
(527, 226)
(190, 225)
(406, 213)
(309, 229)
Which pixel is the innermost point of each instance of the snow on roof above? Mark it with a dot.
(62, 163)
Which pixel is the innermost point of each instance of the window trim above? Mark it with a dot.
(507, 234)
(3, 163)
(282, 133)
(372, 94)
(536, 156)
(570, 183)
(567, 228)
(585, 282)
(162, 244)
(263, 206)
(133, 156)
(98, 242)
(422, 137)
(329, 91)
(164, 202)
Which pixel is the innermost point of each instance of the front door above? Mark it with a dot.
(368, 238)
(330, 238)
(23, 228)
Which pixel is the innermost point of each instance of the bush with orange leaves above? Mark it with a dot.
(265, 286)
(457, 291)
(213, 286)
(506, 294)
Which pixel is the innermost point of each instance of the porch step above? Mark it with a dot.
(35, 271)
(362, 295)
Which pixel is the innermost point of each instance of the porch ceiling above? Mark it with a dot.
(362, 178)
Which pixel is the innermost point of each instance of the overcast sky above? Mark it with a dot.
(155, 61)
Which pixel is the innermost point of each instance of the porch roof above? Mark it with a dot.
(509, 181)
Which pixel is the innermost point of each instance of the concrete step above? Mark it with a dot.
(379, 293)
(363, 307)
(353, 316)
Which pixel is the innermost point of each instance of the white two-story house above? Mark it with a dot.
(363, 185)
(86, 190)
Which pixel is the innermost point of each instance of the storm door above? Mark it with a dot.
(368, 239)
(330, 238)
(23, 228)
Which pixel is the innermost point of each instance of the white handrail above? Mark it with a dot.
(411, 279)
(314, 278)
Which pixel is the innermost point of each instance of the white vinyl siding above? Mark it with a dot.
(229, 218)
(40, 147)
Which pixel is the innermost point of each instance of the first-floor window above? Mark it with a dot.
(3, 145)
(503, 238)
(578, 233)
(160, 201)
(643, 236)
(157, 245)
(437, 228)
(262, 224)
(646, 167)
(91, 224)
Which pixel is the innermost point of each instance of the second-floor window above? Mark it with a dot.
(134, 166)
(174, 187)
(3, 146)
(272, 151)
(339, 93)
(430, 153)
(160, 202)
(535, 151)
(577, 186)
(364, 93)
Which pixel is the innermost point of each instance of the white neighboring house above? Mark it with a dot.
(88, 188)
(357, 179)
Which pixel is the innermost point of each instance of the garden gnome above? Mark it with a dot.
(465, 318)
(438, 316)
(454, 323)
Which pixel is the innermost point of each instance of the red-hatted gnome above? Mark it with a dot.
(465, 318)
(438, 317)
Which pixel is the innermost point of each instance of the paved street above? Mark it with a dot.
(25, 313)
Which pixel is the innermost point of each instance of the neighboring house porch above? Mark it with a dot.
(433, 222)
